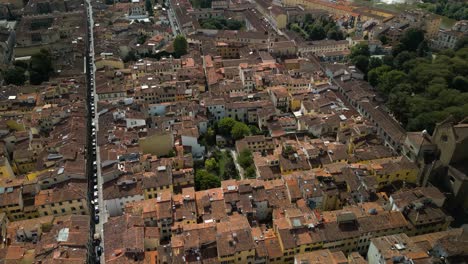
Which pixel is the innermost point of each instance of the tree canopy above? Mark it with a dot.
(245, 158)
(229, 127)
(453, 9)
(317, 28)
(201, 3)
(40, 68)
(421, 91)
(14, 76)
(211, 165)
(180, 46)
(221, 23)
(225, 126)
(240, 130)
(205, 180)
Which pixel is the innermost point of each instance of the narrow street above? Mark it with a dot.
(98, 218)
(240, 170)
(172, 19)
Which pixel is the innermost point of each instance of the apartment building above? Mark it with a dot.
(70, 198)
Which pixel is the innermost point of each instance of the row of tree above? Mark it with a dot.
(201, 3)
(221, 23)
(245, 160)
(317, 28)
(420, 88)
(456, 9)
(412, 41)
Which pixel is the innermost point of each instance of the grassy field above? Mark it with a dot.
(222, 162)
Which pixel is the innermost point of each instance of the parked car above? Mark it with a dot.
(99, 250)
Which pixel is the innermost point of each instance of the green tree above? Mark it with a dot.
(288, 151)
(149, 7)
(221, 23)
(225, 126)
(388, 60)
(389, 80)
(141, 39)
(397, 101)
(21, 64)
(383, 39)
(40, 67)
(335, 34)
(436, 86)
(296, 28)
(234, 24)
(250, 172)
(461, 43)
(316, 32)
(131, 56)
(410, 40)
(180, 46)
(460, 83)
(240, 130)
(403, 57)
(374, 62)
(211, 165)
(14, 76)
(360, 50)
(423, 48)
(373, 76)
(308, 19)
(210, 137)
(254, 130)
(457, 10)
(35, 78)
(205, 180)
(172, 153)
(245, 158)
(230, 171)
(361, 62)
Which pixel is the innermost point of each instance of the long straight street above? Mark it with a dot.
(96, 195)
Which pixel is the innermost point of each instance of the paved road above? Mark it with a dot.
(172, 19)
(170, 15)
(102, 212)
(269, 19)
(240, 170)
